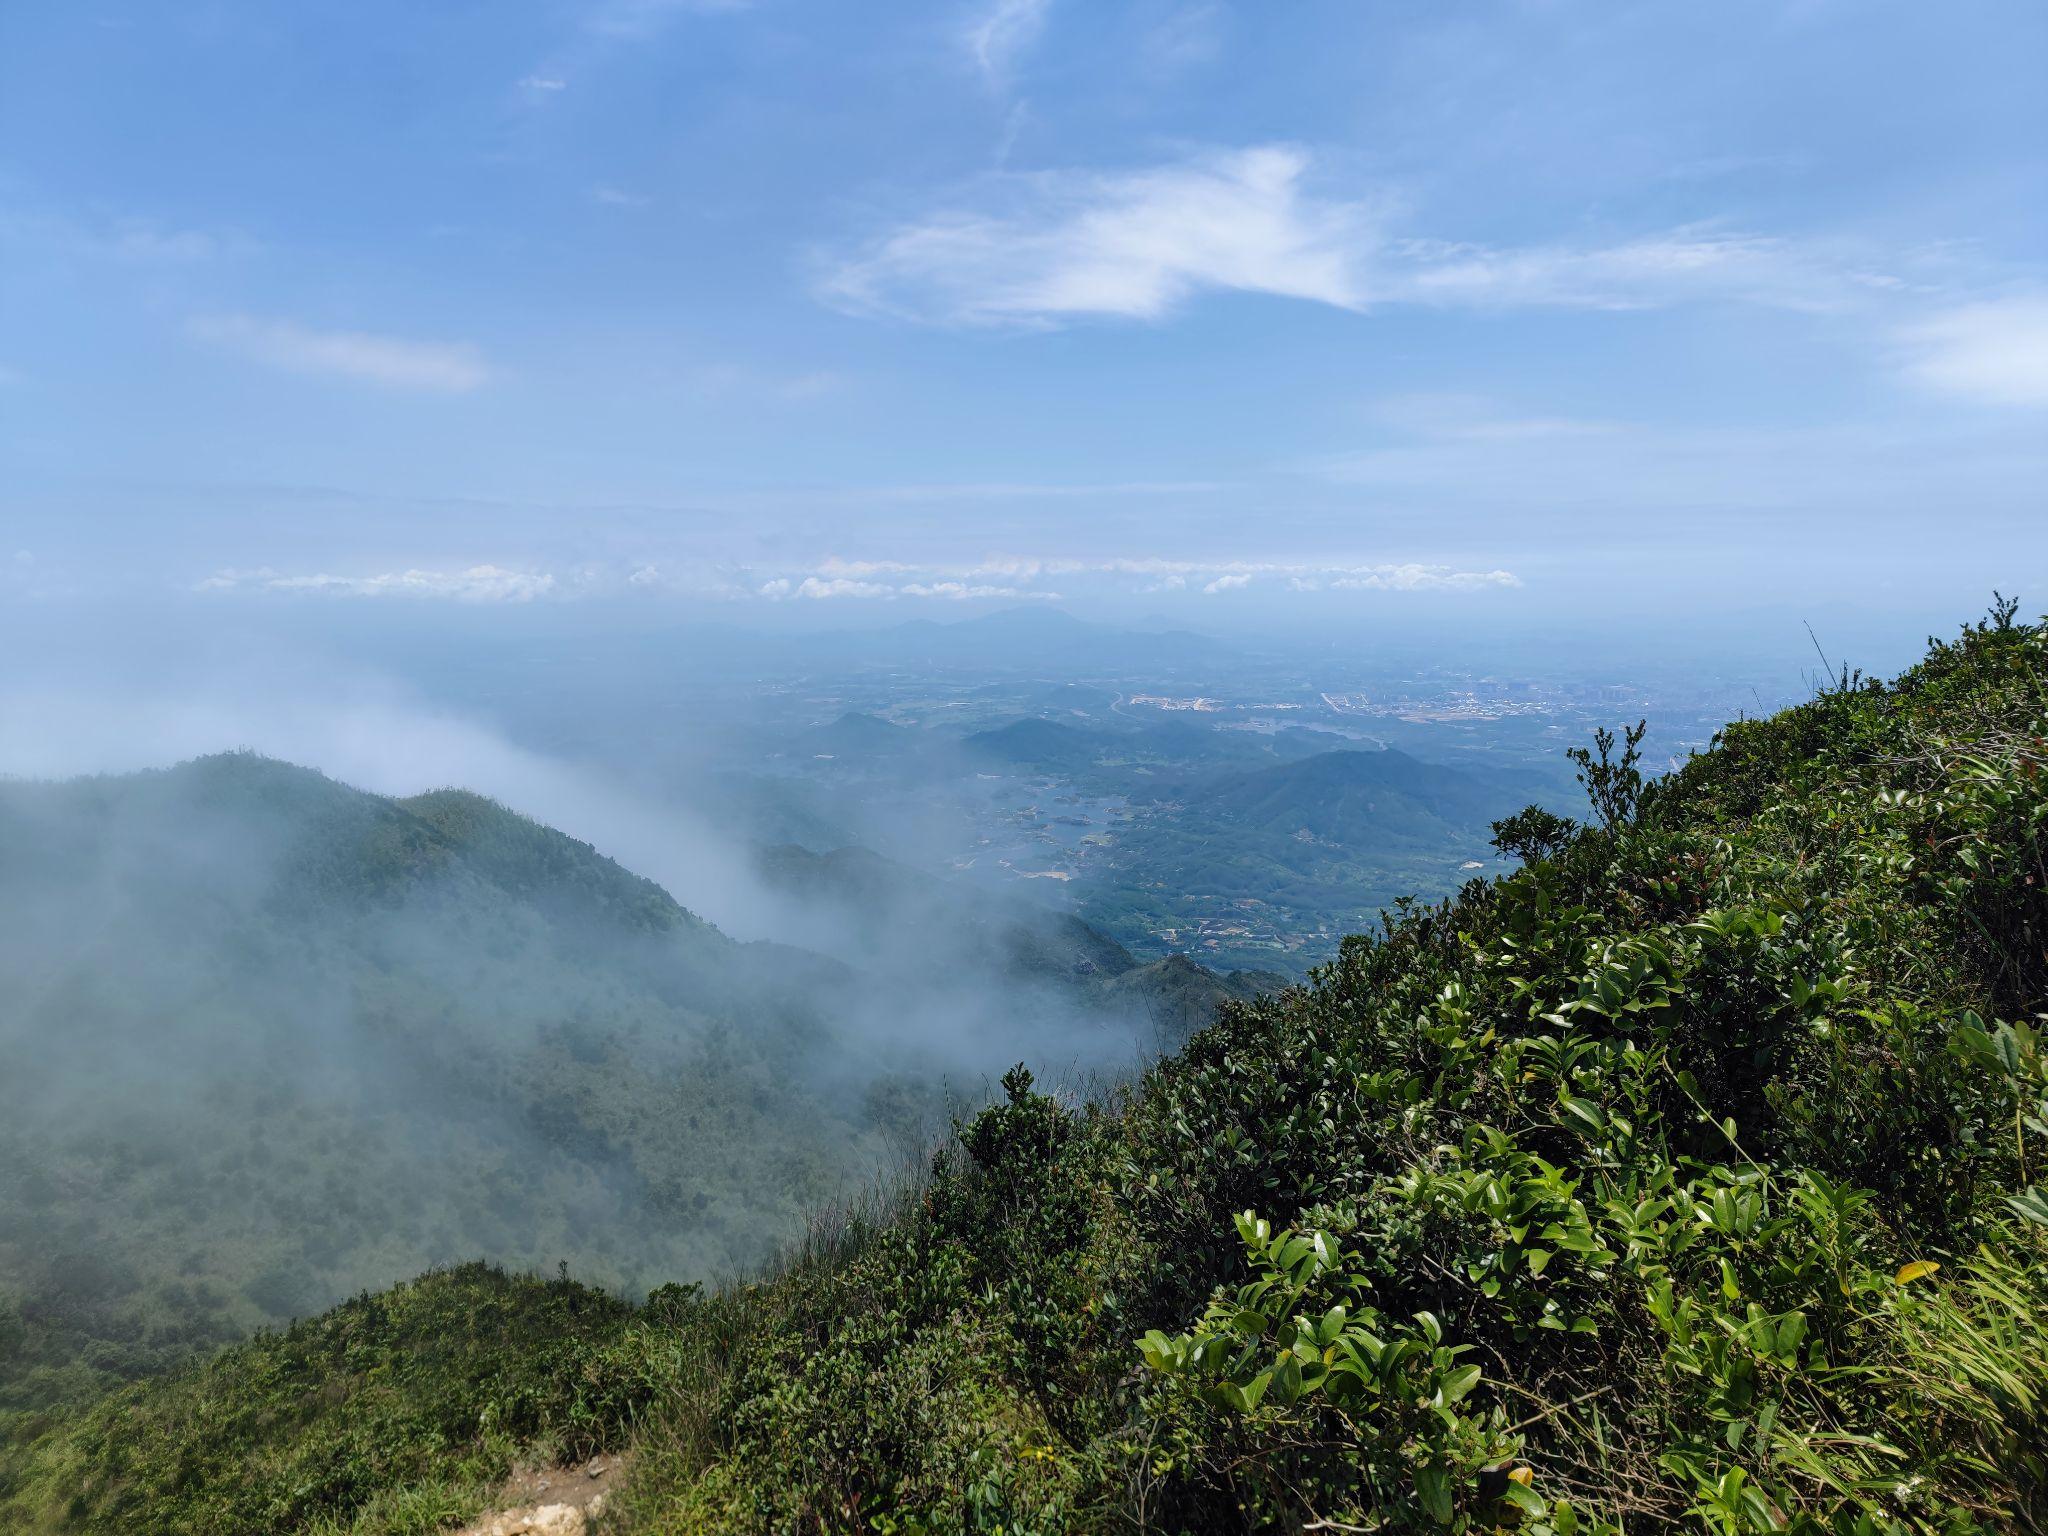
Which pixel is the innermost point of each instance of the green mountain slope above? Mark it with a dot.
(1173, 752)
(1387, 798)
(1689, 1178)
(1272, 865)
(271, 1040)
(274, 1040)
(1046, 745)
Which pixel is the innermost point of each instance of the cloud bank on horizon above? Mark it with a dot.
(702, 300)
(999, 579)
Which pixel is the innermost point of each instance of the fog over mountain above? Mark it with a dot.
(277, 1036)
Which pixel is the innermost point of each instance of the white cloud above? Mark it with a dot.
(832, 582)
(841, 586)
(1421, 578)
(228, 580)
(1184, 39)
(1134, 245)
(1995, 351)
(616, 197)
(957, 591)
(1002, 30)
(1678, 266)
(544, 83)
(1050, 247)
(477, 584)
(861, 570)
(997, 578)
(1012, 577)
(395, 362)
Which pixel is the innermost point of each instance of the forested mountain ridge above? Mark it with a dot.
(1357, 797)
(1314, 846)
(255, 830)
(1688, 1178)
(272, 1039)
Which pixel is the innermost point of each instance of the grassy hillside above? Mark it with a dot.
(1689, 1178)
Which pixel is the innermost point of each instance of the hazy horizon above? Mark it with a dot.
(1519, 320)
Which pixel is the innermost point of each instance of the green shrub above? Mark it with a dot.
(1690, 1177)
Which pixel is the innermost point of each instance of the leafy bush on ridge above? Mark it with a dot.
(1689, 1178)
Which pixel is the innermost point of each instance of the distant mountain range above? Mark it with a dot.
(1270, 865)
(1363, 798)
(1248, 848)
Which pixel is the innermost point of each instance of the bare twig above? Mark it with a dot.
(1555, 1408)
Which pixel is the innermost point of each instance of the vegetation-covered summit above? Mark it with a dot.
(270, 1039)
(1688, 1178)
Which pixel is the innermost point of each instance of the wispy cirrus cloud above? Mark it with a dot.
(1185, 37)
(1995, 351)
(1697, 262)
(1001, 30)
(1046, 248)
(1134, 245)
(440, 367)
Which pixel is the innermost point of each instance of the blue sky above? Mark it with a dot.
(777, 308)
